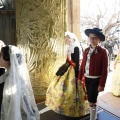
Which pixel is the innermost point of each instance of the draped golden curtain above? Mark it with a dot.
(40, 26)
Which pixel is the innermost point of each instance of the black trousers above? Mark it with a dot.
(92, 88)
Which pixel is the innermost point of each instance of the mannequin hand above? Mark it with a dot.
(100, 88)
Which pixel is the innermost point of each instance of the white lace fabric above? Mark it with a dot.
(18, 99)
(74, 42)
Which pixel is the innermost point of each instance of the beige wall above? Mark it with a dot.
(73, 16)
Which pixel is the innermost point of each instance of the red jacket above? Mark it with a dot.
(98, 64)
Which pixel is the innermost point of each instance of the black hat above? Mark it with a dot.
(95, 31)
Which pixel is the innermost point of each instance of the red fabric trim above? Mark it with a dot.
(71, 62)
(84, 88)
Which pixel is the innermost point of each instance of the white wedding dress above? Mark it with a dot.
(18, 99)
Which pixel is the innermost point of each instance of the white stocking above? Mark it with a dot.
(93, 113)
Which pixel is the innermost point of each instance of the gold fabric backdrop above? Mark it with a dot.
(40, 28)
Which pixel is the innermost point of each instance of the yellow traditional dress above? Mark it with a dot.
(116, 78)
(65, 97)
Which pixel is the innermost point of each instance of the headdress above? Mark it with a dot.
(74, 42)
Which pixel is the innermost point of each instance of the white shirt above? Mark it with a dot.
(88, 61)
(88, 64)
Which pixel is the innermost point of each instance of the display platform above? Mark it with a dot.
(47, 114)
(110, 104)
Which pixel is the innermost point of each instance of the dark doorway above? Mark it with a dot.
(7, 22)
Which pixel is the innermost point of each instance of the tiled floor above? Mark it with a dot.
(106, 100)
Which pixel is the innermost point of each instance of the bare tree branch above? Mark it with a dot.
(110, 24)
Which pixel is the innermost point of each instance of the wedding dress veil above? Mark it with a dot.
(18, 98)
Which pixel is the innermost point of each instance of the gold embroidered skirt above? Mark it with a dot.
(116, 81)
(64, 97)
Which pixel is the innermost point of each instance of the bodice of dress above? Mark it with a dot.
(2, 71)
(75, 59)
